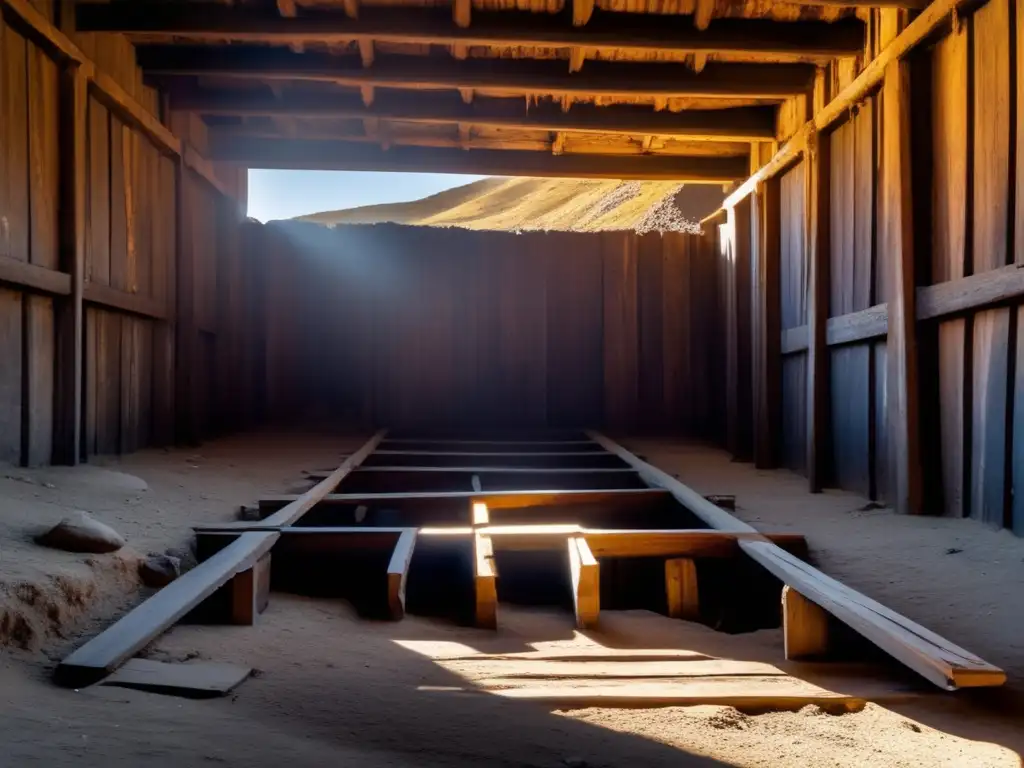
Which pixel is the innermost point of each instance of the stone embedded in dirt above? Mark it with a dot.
(81, 532)
(159, 570)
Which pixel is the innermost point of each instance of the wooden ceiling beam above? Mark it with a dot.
(354, 156)
(736, 124)
(606, 31)
(603, 78)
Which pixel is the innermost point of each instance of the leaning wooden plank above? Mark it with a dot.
(503, 454)
(296, 509)
(504, 470)
(398, 573)
(119, 642)
(193, 680)
(586, 591)
(930, 655)
(485, 580)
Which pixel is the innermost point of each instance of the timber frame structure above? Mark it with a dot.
(367, 532)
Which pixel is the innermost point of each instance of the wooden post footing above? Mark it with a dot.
(804, 625)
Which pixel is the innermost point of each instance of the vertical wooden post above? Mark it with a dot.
(67, 423)
(186, 427)
(898, 248)
(766, 324)
(681, 590)
(485, 582)
(804, 626)
(586, 590)
(817, 164)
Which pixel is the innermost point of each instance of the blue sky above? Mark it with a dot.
(284, 194)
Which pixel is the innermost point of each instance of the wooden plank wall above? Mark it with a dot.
(418, 326)
(131, 261)
(958, 234)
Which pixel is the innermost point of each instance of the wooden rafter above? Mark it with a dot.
(287, 8)
(604, 78)
(461, 12)
(582, 10)
(737, 124)
(609, 32)
(354, 156)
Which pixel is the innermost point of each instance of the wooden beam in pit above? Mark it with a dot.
(340, 155)
(140, 626)
(398, 573)
(485, 582)
(735, 124)
(681, 591)
(935, 658)
(586, 589)
(636, 33)
(804, 626)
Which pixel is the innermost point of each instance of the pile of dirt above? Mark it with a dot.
(570, 205)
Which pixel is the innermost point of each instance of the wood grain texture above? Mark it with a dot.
(43, 156)
(681, 589)
(950, 163)
(804, 626)
(10, 376)
(991, 151)
(793, 260)
(15, 221)
(39, 384)
(851, 417)
(620, 322)
(679, 316)
(1016, 520)
(991, 370)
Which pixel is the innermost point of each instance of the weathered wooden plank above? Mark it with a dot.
(98, 199)
(194, 679)
(131, 303)
(398, 573)
(119, 271)
(851, 417)
(817, 202)
(897, 224)
(111, 648)
(650, 287)
(953, 412)
(11, 340)
(677, 330)
(586, 591)
(1016, 517)
(43, 156)
(14, 237)
(23, 274)
(992, 119)
(620, 323)
(767, 325)
(950, 156)
(39, 380)
(991, 369)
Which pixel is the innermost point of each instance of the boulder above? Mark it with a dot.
(81, 532)
(159, 570)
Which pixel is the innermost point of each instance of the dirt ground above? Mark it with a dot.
(333, 689)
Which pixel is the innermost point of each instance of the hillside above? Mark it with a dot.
(580, 205)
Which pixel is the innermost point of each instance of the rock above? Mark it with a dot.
(80, 532)
(159, 570)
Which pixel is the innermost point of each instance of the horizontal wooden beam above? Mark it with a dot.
(339, 155)
(932, 21)
(32, 277)
(132, 303)
(870, 323)
(602, 78)
(505, 470)
(910, 5)
(980, 290)
(679, 543)
(637, 33)
(736, 124)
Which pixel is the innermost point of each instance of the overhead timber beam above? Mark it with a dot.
(736, 124)
(351, 156)
(604, 78)
(433, 26)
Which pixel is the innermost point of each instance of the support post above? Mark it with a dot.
(898, 248)
(398, 573)
(681, 589)
(485, 582)
(67, 425)
(804, 626)
(586, 591)
(817, 165)
(767, 324)
(243, 597)
(187, 430)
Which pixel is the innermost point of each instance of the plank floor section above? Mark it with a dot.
(119, 642)
(194, 679)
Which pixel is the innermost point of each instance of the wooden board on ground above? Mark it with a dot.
(193, 680)
(933, 657)
(119, 642)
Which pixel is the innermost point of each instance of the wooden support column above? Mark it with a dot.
(398, 573)
(817, 215)
(898, 250)
(681, 589)
(250, 592)
(804, 626)
(485, 582)
(68, 444)
(187, 431)
(766, 323)
(586, 590)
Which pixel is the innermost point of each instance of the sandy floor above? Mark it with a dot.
(336, 690)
